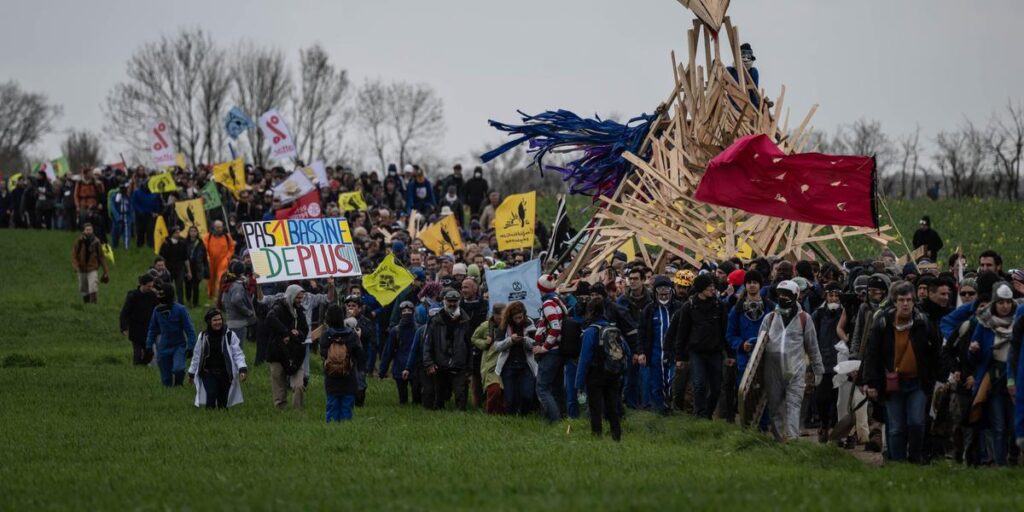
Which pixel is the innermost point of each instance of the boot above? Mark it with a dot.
(85, 298)
(822, 435)
(92, 298)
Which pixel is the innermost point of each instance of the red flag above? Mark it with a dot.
(305, 207)
(753, 175)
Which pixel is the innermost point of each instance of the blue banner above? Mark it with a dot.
(515, 284)
(237, 122)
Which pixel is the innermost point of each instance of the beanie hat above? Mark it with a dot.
(737, 277)
(1002, 291)
(582, 288)
(727, 267)
(833, 287)
(879, 282)
(418, 273)
(861, 282)
(398, 246)
(459, 269)
(684, 277)
(546, 283)
(473, 270)
(702, 282)
(662, 281)
(801, 283)
(1017, 275)
(753, 276)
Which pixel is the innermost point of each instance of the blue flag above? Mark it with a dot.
(237, 122)
(515, 284)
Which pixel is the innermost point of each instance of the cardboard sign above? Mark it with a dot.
(295, 249)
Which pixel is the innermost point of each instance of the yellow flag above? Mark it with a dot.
(159, 234)
(162, 182)
(191, 213)
(387, 281)
(626, 248)
(231, 175)
(442, 236)
(351, 201)
(515, 221)
(108, 253)
(179, 160)
(13, 181)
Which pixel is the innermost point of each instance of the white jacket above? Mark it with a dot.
(502, 347)
(796, 342)
(230, 346)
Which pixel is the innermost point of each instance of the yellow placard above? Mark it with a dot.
(515, 221)
(387, 281)
(231, 175)
(191, 213)
(442, 236)
(351, 201)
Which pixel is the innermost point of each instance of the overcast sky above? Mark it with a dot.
(902, 62)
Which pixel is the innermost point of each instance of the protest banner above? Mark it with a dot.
(295, 249)
(159, 233)
(442, 236)
(296, 186)
(211, 196)
(191, 213)
(47, 169)
(237, 122)
(231, 175)
(160, 183)
(13, 181)
(306, 207)
(160, 144)
(387, 281)
(518, 283)
(282, 145)
(179, 160)
(515, 221)
(61, 165)
(351, 201)
(317, 173)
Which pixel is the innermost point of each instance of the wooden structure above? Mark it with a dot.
(706, 111)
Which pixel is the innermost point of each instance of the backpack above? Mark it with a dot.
(337, 363)
(609, 339)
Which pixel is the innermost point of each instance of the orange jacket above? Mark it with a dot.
(219, 248)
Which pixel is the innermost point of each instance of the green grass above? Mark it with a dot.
(973, 224)
(81, 428)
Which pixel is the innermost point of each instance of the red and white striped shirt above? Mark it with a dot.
(549, 324)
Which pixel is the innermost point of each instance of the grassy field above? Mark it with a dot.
(83, 429)
(974, 224)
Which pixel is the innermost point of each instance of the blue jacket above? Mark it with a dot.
(415, 358)
(120, 211)
(397, 349)
(144, 201)
(174, 327)
(412, 202)
(950, 322)
(740, 329)
(589, 348)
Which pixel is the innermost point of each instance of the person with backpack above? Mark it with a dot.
(516, 364)
(483, 339)
(219, 363)
(235, 301)
(550, 363)
(287, 352)
(789, 339)
(342, 353)
(604, 357)
(87, 258)
(136, 313)
(657, 356)
(367, 338)
(415, 373)
(989, 353)
(396, 351)
(172, 325)
(701, 342)
(572, 342)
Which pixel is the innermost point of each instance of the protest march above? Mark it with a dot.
(708, 261)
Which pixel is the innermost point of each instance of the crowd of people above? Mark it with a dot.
(907, 358)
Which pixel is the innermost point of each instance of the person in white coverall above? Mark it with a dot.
(790, 337)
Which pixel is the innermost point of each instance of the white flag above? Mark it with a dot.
(47, 168)
(160, 143)
(317, 171)
(282, 145)
(296, 186)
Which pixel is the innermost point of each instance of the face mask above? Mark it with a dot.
(832, 306)
(452, 310)
(785, 302)
(663, 301)
(753, 309)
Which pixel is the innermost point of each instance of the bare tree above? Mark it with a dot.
(82, 149)
(372, 117)
(909, 154)
(25, 117)
(415, 114)
(262, 82)
(319, 107)
(1006, 145)
(178, 79)
(960, 159)
(214, 85)
(865, 137)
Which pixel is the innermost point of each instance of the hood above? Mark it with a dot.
(289, 296)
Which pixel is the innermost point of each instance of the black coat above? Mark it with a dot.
(880, 351)
(475, 194)
(284, 348)
(701, 329)
(447, 343)
(347, 385)
(136, 313)
(825, 323)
